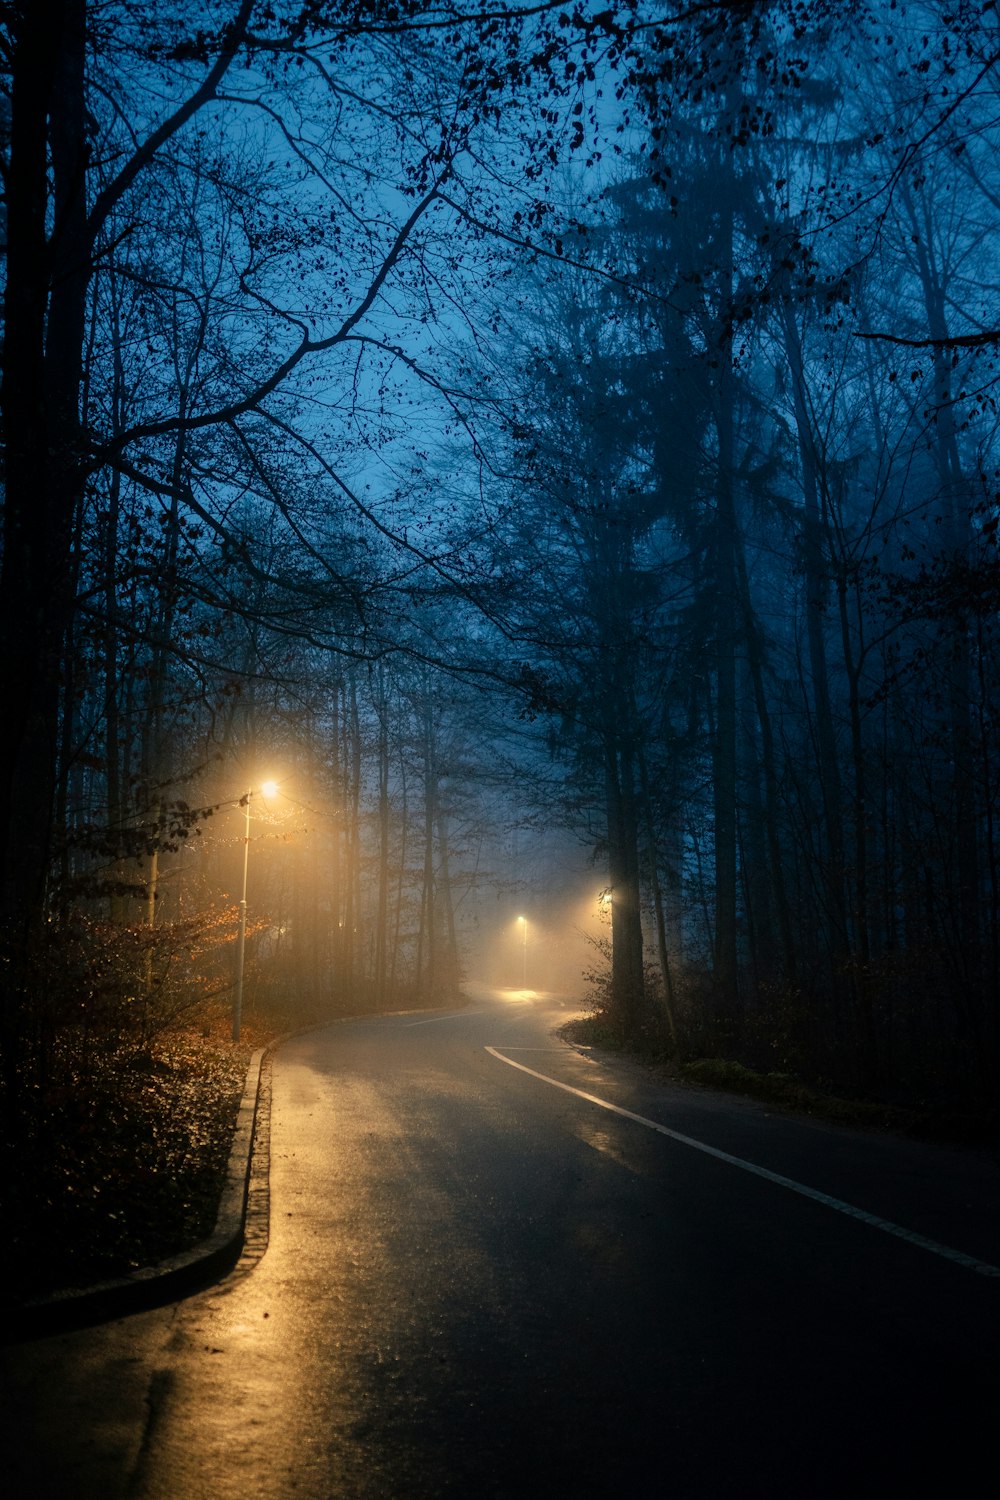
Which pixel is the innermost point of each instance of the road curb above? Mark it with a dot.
(177, 1276)
(193, 1269)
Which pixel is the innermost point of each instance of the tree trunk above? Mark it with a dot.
(449, 965)
(627, 982)
(352, 883)
(662, 947)
(957, 528)
(817, 590)
(861, 984)
(427, 933)
(44, 316)
(755, 662)
(382, 906)
(725, 965)
(44, 336)
(336, 846)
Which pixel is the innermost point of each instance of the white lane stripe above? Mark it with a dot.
(453, 1015)
(886, 1225)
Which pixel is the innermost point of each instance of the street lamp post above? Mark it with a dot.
(242, 935)
(269, 788)
(524, 952)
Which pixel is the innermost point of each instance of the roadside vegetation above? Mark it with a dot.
(122, 1163)
(126, 1102)
(928, 1119)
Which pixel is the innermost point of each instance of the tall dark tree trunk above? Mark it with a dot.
(44, 316)
(659, 909)
(44, 338)
(861, 988)
(449, 964)
(155, 756)
(395, 950)
(817, 593)
(337, 847)
(957, 529)
(352, 765)
(427, 938)
(382, 904)
(627, 980)
(725, 958)
(755, 664)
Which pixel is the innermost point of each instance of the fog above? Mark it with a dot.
(563, 460)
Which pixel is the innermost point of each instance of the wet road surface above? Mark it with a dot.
(478, 1283)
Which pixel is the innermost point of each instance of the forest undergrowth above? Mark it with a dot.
(119, 1154)
(932, 1119)
(774, 1048)
(114, 1157)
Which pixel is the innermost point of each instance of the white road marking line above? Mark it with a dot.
(560, 1051)
(453, 1015)
(886, 1225)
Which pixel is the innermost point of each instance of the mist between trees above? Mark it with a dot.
(580, 420)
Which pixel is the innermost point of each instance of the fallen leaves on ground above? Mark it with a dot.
(119, 1158)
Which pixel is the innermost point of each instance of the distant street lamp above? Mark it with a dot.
(524, 952)
(268, 789)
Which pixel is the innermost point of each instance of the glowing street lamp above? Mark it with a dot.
(524, 952)
(268, 789)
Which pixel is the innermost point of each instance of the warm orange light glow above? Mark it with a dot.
(269, 788)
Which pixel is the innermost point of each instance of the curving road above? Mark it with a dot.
(499, 1267)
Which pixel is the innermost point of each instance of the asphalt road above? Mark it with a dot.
(478, 1283)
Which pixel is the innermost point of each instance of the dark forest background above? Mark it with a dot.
(570, 416)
